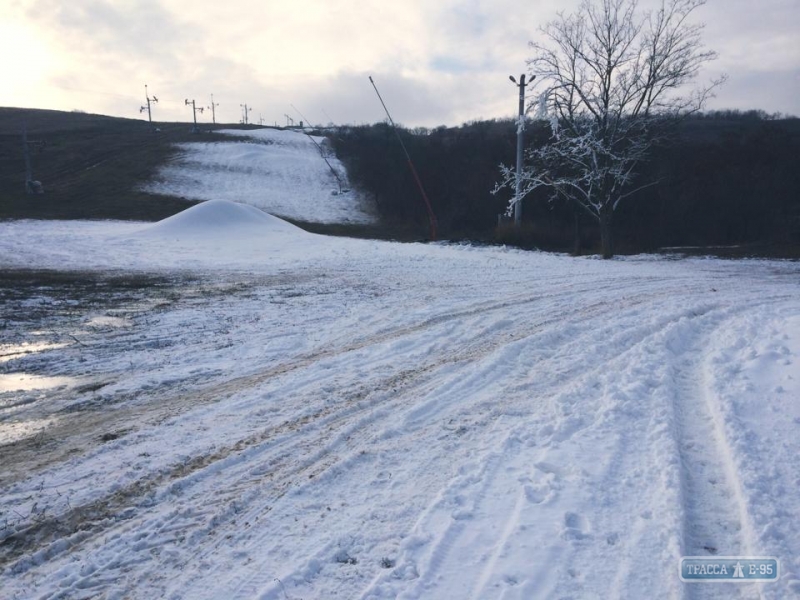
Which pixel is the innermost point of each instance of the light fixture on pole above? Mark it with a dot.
(213, 108)
(147, 108)
(246, 110)
(194, 113)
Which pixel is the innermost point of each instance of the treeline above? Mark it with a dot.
(725, 178)
(457, 166)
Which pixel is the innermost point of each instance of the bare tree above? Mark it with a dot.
(613, 77)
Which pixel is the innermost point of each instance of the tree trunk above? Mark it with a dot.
(576, 232)
(606, 233)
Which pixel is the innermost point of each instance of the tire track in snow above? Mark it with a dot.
(389, 408)
(443, 547)
(101, 510)
(128, 497)
(430, 573)
(715, 517)
(79, 433)
(282, 440)
(392, 409)
(443, 543)
(46, 530)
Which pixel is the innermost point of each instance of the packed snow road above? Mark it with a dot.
(232, 408)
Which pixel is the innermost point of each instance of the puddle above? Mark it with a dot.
(25, 382)
(11, 351)
(13, 432)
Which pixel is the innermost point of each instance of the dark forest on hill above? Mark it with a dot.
(726, 178)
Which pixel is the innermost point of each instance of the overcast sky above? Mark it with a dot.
(434, 61)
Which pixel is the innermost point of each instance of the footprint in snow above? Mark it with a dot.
(576, 527)
(541, 486)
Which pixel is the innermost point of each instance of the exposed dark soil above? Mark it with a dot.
(90, 166)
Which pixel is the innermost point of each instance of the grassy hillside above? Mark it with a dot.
(90, 165)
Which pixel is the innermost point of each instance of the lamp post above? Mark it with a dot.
(187, 102)
(213, 108)
(520, 145)
(147, 108)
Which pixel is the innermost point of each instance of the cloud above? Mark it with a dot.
(751, 37)
(771, 91)
(435, 62)
(139, 32)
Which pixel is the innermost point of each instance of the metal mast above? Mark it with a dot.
(213, 108)
(520, 146)
(194, 113)
(147, 108)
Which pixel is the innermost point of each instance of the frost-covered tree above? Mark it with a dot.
(614, 79)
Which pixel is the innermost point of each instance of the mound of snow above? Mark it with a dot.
(220, 218)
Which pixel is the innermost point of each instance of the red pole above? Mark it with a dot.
(431, 216)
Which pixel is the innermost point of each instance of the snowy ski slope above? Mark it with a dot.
(281, 172)
(295, 416)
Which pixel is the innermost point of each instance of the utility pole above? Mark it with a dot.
(27, 152)
(245, 110)
(147, 108)
(213, 108)
(31, 186)
(520, 146)
(289, 120)
(194, 113)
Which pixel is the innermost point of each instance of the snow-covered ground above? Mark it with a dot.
(282, 172)
(234, 408)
